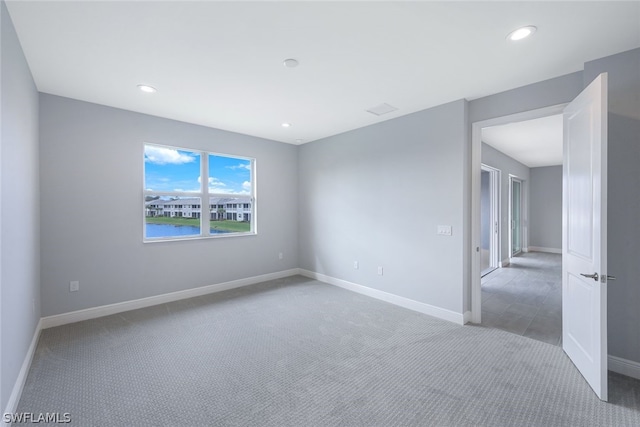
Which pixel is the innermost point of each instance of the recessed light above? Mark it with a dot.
(290, 63)
(286, 125)
(147, 88)
(521, 33)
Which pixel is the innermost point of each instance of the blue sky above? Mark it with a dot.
(169, 169)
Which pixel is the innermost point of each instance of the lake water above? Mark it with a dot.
(168, 230)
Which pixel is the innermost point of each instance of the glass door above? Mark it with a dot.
(516, 216)
(489, 220)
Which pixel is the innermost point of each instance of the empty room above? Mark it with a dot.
(271, 213)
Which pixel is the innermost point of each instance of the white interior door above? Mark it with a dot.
(584, 235)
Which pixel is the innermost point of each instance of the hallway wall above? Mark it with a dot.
(545, 209)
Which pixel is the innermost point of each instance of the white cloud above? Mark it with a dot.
(216, 186)
(213, 181)
(225, 191)
(246, 166)
(216, 182)
(166, 156)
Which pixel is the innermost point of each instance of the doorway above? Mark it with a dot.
(515, 240)
(515, 216)
(489, 220)
(584, 244)
(524, 296)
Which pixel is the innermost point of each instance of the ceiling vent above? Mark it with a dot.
(381, 109)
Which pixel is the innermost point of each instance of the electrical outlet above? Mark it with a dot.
(444, 230)
(74, 286)
(380, 271)
(355, 264)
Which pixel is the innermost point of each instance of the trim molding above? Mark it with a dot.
(16, 393)
(543, 249)
(420, 307)
(106, 310)
(466, 317)
(624, 366)
(505, 262)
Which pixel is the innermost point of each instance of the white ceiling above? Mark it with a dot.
(534, 143)
(219, 64)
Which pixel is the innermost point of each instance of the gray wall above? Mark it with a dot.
(19, 206)
(376, 195)
(507, 165)
(624, 199)
(559, 90)
(91, 160)
(545, 207)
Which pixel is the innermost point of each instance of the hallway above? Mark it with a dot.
(525, 298)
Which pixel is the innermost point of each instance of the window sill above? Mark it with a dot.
(187, 238)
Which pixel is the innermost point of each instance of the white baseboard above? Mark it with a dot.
(421, 307)
(543, 249)
(106, 310)
(505, 262)
(16, 393)
(624, 366)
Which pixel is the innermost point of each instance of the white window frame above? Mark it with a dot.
(203, 194)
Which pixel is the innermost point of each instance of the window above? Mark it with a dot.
(176, 199)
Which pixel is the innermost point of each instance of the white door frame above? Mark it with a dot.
(476, 161)
(494, 190)
(512, 179)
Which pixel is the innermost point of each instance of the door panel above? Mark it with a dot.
(580, 194)
(580, 294)
(584, 236)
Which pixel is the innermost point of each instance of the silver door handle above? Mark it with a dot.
(593, 276)
(611, 277)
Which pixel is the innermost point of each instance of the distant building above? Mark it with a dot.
(228, 208)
